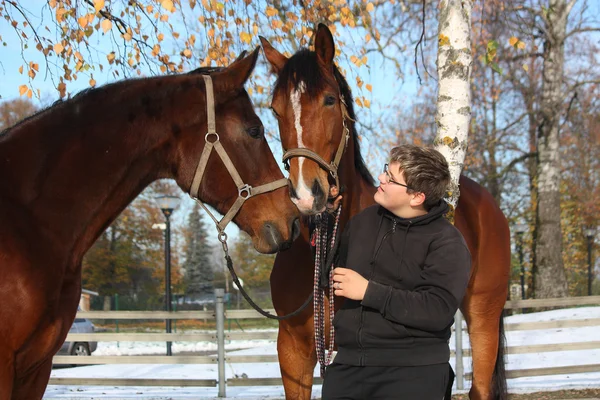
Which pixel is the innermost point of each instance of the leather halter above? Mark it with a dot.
(332, 167)
(245, 191)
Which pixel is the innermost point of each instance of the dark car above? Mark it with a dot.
(80, 325)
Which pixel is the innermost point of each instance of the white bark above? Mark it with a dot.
(454, 64)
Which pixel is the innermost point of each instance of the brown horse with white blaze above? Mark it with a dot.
(67, 172)
(313, 105)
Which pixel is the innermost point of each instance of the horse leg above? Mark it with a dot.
(297, 359)
(7, 374)
(32, 385)
(483, 322)
(291, 284)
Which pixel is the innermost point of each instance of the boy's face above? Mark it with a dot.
(393, 195)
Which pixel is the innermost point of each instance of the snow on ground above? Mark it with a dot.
(267, 370)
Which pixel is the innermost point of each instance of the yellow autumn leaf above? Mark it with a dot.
(187, 53)
(160, 37)
(357, 101)
(131, 62)
(368, 38)
(167, 4)
(29, 93)
(62, 89)
(364, 59)
(370, 7)
(111, 57)
(367, 103)
(98, 5)
(513, 40)
(369, 87)
(245, 37)
(58, 48)
(106, 25)
(21, 69)
(521, 45)
(92, 82)
(34, 66)
(271, 11)
(78, 55)
(22, 90)
(83, 21)
(526, 67)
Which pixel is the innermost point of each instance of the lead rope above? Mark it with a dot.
(321, 250)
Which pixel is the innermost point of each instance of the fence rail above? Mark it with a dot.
(220, 358)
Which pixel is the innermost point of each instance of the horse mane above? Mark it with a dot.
(304, 67)
(81, 94)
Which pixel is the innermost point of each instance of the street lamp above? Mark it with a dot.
(520, 229)
(590, 233)
(168, 204)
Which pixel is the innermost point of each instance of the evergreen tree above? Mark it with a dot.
(199, 274)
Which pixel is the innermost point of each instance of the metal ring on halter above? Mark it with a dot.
(246, 188)
(212, 133)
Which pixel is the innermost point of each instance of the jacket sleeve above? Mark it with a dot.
(432, 304)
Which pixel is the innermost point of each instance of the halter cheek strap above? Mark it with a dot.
(245, 191)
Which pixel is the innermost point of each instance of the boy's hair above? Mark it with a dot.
(425, 170)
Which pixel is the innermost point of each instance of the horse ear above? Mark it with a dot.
(242, 55)
(275, 58)
(324, 46)
(242, 67)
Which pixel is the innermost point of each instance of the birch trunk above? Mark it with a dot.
(550, 279)
(454, 65)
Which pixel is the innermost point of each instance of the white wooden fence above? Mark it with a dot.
(220, 314)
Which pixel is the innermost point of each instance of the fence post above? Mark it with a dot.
(459, 350)
(220, 317)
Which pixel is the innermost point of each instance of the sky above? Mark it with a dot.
(269, 370)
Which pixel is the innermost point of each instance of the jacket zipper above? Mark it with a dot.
(362, 310)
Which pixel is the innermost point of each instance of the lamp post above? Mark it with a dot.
(167, 205)
(520, 229)
(590, 233)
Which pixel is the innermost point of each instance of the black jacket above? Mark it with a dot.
(418, 270)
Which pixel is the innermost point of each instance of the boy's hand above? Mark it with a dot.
(349, 284)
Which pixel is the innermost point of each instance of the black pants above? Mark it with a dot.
(349, 382)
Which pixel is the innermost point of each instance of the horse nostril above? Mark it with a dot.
(317, 191)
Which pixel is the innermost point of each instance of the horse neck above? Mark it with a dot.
(73, 168)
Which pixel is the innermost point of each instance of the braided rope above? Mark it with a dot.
(322, 248)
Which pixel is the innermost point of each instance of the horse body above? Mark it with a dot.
(67, 172)
(478, 217)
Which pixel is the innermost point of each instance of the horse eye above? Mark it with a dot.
(329, 100)
(274, 112)
(256, 132)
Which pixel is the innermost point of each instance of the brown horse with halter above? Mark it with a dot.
(68, 171)
(313, 105)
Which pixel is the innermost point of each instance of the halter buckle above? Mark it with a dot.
(247, 189)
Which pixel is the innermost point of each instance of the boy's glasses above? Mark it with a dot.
(386, 171)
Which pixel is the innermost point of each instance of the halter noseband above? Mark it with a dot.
(245, 191)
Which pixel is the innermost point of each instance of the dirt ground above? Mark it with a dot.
(556, 395)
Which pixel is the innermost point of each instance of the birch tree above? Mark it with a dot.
(454, 93)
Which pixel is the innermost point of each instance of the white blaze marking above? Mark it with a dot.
(304, 193)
